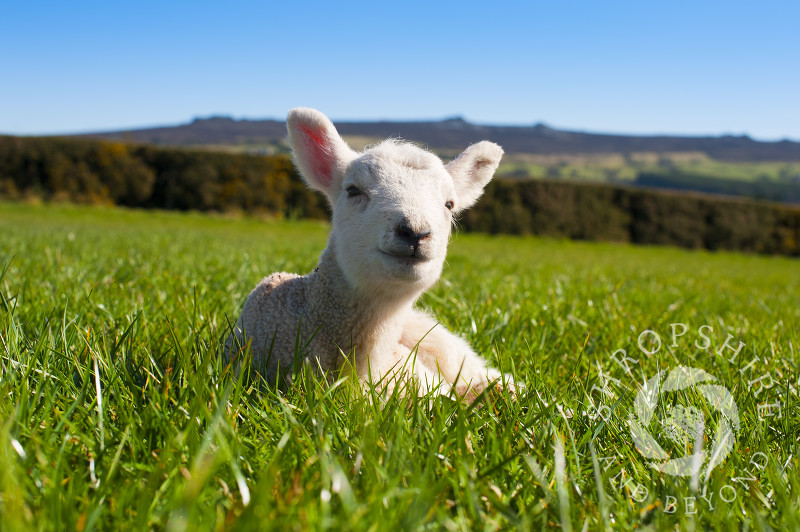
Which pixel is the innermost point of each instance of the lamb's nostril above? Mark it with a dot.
(405, 232)
(409, 236)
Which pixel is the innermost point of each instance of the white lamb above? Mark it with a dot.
(393, 208)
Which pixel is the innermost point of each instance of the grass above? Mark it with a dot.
(117, 413)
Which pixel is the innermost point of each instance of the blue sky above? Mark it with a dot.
(701, 67)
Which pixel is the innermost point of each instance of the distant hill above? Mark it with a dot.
(203, 132)
(451, 135)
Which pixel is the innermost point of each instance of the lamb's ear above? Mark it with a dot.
(472, 170)
(319, 152)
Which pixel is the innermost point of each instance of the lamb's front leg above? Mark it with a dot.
(442, 352)
(394, 364)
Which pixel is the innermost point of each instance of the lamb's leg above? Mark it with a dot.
(401, 367)
(441, 351)
(391, 364)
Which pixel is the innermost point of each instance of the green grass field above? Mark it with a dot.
(116, 412)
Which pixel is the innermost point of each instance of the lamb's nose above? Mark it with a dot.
(409, 236)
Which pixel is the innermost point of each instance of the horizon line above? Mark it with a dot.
(457, 117)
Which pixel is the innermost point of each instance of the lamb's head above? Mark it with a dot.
(393, 204)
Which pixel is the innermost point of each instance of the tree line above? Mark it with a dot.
(630, 214)
(89, 171)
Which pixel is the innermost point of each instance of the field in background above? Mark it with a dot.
(620, 167)
(118, 413)
(674, 171)
(609, 167)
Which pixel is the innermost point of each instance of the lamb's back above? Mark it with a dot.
(269, 322)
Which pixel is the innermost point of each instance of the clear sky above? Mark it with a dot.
(717, 66)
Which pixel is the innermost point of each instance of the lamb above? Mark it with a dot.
(393, 207)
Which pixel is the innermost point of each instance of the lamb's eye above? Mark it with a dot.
(352, 191)
(449, 204)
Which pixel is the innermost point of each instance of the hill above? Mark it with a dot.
(453, 134)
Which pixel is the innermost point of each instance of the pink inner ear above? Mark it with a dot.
(320, 153)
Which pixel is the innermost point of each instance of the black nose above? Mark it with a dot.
(409, 236)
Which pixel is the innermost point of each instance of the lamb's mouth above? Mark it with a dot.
(411, 257)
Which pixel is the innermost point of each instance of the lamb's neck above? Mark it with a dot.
(361, 319)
